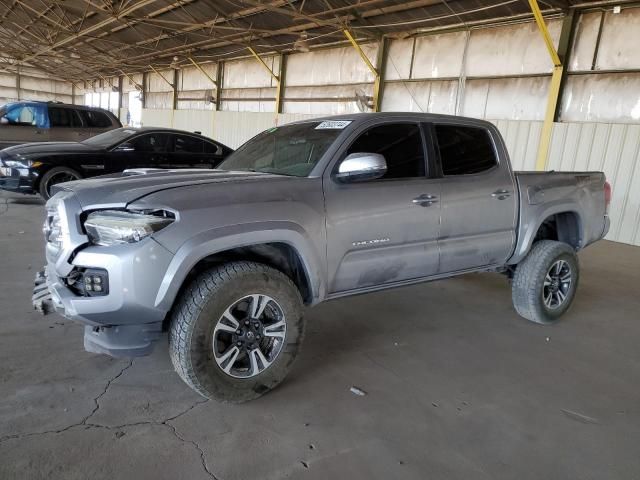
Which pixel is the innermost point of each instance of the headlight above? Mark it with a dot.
(17, 163)
(113, 227)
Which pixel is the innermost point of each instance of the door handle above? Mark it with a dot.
(501, 194)
(425, 200)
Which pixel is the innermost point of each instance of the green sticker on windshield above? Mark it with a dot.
(271, 130)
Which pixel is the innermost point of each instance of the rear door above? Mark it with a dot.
(66, 125)
(98, 122)
(385, 230)
(186, 151)
(478, 199)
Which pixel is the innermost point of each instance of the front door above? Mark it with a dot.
(385, 230)
(24, 123)
(478, 199)
(148, 150)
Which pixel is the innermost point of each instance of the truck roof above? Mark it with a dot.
(423, 117)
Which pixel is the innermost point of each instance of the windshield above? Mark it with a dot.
(289, 150)
(110, 138)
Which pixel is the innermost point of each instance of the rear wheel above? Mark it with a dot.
(545, 282)
(54, 176)
(236, 331)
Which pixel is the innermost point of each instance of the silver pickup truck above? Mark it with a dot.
(226, 260)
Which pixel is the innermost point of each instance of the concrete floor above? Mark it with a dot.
(458, 387)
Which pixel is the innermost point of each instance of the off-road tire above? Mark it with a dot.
(528, 281)
(199, 308)
(45, 181)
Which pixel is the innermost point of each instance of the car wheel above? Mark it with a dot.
(545, 282)
(53, 177)
(236, 330)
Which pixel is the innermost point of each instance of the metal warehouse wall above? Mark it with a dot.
(33, 85)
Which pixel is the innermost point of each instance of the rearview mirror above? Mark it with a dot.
(125, 147)
(358, 167)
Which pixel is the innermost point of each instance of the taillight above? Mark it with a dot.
(607, 196)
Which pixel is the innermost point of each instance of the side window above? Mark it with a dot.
(187, 144)
(152, 142)
(60, 117)
(98, 119)
(401, 145)
(23, 115)
(210, 147)
(465, 150)
(76, 118)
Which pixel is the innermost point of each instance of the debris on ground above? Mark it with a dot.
(357, 391)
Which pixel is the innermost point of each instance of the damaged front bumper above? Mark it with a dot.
(133, 340)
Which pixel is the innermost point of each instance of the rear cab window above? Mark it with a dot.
(464, 150)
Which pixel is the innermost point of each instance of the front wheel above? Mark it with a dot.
(53, 177)
(545, 282)
(236, 330)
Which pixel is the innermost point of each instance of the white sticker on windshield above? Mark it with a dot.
(333, 124)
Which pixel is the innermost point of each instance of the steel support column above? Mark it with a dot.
(275, 77)
(219, 83)
(374, 70)
(280, 85)
(554, 87)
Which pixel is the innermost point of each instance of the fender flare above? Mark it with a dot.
(218, 240)
(529, 230)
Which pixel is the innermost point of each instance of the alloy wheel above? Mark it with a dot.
(249, 336)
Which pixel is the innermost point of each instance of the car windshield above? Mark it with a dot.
(289, 150)
(110, 138)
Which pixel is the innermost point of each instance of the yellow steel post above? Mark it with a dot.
(259, 58)
(197, 65)
(276, 77)
(554, 87)
(374, 70)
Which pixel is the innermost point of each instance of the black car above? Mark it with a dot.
(35, 167)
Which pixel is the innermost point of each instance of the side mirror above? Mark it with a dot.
(125, 147)
(358, 167)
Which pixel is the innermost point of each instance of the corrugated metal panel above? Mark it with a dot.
(157, 117)
(507, 98)
(330, 66)
(439, 56)
(157, 82)
(235, 128)
(193, 79)
(510, 50)
(195, 121)
(617, 50)
(437, 96)
(584, 42)
(250, 73)
(612, 97)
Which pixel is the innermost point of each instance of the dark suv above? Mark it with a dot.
(24, 122)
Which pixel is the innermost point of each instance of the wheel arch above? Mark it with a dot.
(288, 250)
(560, 224)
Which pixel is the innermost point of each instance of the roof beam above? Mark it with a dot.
(97, 26)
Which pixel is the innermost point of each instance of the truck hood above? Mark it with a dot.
(27, 149)
(126, 187)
